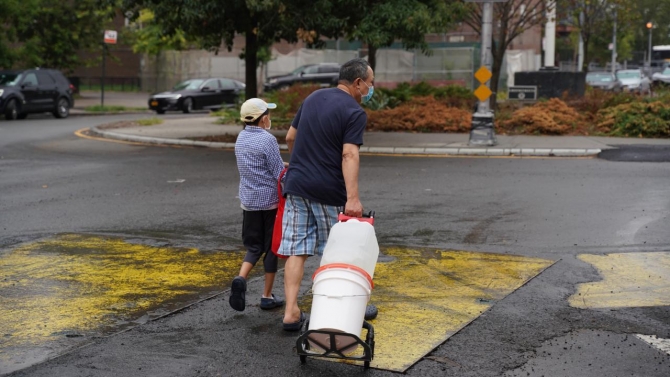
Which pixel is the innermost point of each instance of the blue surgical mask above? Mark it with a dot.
(367, 97)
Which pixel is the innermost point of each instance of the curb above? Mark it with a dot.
(93, 113)
(487, 152)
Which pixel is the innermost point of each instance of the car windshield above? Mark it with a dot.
(188, 84)
(628, 75)
(666, 71)
(599, 77)
(9, 79)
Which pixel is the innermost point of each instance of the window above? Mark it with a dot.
(44, 79)
(311, 70)
(30, 79)
(227, 84)
(212, 84)
(329, 69)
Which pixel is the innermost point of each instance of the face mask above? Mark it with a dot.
(367, 97)
(269, 124)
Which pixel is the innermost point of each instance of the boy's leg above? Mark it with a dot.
(252, 238)
(270, 261)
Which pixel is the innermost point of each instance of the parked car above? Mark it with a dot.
(198, 94)
(633, 80)
(661, 77)
(324, 74)
(604, 81)
(35, 91)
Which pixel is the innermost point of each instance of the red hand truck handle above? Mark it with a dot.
(368, 218)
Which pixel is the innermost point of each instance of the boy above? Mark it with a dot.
(259, 164)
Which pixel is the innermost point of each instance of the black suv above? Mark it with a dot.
(35, 91)
(324, 74)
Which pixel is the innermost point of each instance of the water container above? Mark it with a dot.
(340, 295)
(352, 242)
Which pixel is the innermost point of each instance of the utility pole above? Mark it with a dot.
(650, 26)
(482, 131)
(614, 54)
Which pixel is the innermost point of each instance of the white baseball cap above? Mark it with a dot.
(254, 108)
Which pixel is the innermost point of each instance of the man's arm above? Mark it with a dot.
(290, 138)
(350, 166)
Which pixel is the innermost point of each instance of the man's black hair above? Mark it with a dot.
(354, 69)
(258, 120)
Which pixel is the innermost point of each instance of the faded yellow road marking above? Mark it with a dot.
(628, 280)
(426, 296)
(76, 285)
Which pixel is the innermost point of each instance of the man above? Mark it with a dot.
(322, 178)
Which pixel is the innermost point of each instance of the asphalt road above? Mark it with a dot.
(54, 182)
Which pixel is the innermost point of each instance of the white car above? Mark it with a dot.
(662, 77)
(633, 80)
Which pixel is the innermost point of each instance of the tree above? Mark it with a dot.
(50, 34)
(511, 19)
(212, 24)
(381, 23)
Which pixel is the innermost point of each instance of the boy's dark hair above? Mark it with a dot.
(354, 69)
(257, 120)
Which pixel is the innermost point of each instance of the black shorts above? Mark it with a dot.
(257, 229)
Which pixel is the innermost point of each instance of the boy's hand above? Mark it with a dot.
(353, 208)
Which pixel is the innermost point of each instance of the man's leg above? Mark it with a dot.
(293, 272)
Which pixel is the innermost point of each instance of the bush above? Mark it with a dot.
(420, 114)
(552, 117)
(636, 119)
(288, 102)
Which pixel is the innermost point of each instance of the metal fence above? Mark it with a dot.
(443, 66)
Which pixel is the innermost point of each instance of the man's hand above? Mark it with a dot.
(353, 208)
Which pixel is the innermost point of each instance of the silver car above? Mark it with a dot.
(604, 81)
(662, 77)
(633, 80)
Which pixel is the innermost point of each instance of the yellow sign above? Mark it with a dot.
(483, 92)
(483, 75)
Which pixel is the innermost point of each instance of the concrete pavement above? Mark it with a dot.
(181, 131)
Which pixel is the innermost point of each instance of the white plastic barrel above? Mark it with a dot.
(352, 242)
(340, 296)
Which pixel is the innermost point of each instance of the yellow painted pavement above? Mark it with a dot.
(628, 280)
(79, 284)
(425, 296)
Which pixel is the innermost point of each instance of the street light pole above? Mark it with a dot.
(482, 131)
(614, 54)
(650, 26)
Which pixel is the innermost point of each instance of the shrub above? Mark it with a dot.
(420, 114)
(288, 102)
(552, 117)
(637, 119)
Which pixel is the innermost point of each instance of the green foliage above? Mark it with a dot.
(112, 109)
(50, 34)
(451, 95)
(228, 116)
(147, 36)
(149, 121)
(638, 119)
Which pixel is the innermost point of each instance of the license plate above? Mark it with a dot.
(154, 103)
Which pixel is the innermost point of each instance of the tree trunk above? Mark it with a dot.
(372, 56)
(251, 63)
(585, 63)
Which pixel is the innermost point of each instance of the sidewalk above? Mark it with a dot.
(179, 131)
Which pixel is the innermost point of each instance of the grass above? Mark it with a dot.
(149, 121)
(112, 109)
(110, 88)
